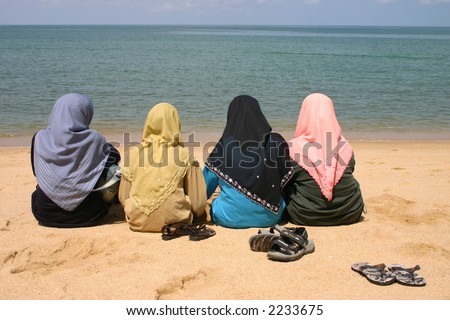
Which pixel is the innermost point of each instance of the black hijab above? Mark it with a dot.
(250, 157)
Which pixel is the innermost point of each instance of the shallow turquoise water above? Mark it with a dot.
(385, 82)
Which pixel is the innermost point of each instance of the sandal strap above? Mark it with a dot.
(177, 228)
(380, 266)
(405, 272)
(375, 269)
(286, 246)
(402, 268)
(298, 235)
(281, 246)
(196, 228)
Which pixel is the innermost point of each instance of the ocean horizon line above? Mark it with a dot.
(230, 25)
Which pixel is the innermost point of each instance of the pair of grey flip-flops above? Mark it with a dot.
(378, 274)
(288, 244)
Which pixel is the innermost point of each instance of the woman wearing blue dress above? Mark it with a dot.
(251, 165)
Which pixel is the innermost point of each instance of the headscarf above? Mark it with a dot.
(158, 164)
(319, 146)
(68, 156)
(250, 157)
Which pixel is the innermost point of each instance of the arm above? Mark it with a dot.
(32, 154)
(211, 180)
(285, 163)
(124, 190)
(113, 156)
(195, 188)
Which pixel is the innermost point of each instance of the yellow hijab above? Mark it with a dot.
(158, 164)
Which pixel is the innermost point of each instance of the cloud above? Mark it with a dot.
(311, 2)
(433, 1)
(153, 5)
(177, 5)
(69, 3)
(384, 1)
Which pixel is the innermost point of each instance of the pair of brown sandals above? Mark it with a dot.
(195, 231)
(383, 275)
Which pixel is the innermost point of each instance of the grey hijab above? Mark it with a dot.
(68, 156)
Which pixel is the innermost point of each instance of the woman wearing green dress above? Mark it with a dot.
(323, 191)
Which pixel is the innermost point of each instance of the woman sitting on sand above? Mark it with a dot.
(251, 165)
(323, 191)
(161, 182)
(68, 159)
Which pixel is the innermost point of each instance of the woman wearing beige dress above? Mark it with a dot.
(161, 183)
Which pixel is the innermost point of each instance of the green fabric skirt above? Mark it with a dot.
(305, 204)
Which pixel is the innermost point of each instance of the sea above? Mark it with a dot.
(387, 83)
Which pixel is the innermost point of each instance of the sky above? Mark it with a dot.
(228, 12)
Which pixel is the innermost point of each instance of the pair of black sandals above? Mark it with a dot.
(195, 231)
(288, 244)
(383, 275)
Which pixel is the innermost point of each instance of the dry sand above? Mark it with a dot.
(406, 190)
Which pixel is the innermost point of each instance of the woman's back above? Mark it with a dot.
(323, 190)
(306, 204)
(68, 159)
(251, 166)
(161, 183)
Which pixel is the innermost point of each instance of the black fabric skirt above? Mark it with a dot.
(88, 213)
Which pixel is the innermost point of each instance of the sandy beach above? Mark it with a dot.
(406, 190)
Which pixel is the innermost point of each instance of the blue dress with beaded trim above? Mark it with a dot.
(232, 209)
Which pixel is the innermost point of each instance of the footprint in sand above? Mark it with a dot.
(65, 255)
(4, 225)
(436, 215)
(435, 172)
(179, 284)
(395, 208)
(10, 257)
(424, 249)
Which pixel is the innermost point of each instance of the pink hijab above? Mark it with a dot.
(318, 146)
